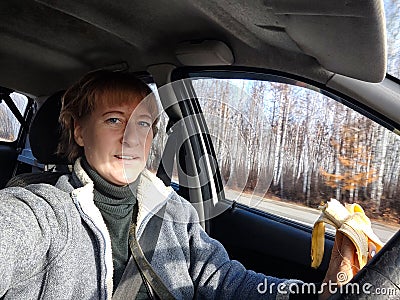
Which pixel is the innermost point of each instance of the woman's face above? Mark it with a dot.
(115, 148)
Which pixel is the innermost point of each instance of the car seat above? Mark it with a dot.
(44, 135)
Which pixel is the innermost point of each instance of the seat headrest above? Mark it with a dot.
(45, 132)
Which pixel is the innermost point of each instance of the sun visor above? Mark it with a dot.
(346, 37)
(204, 53)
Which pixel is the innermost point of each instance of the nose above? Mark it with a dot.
(131, 136)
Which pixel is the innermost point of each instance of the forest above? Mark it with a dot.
(305, 145)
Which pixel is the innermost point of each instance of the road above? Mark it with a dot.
(301, 214)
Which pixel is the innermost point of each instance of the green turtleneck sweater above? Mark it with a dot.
(116, 205)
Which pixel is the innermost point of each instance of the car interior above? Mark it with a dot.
(336, 46)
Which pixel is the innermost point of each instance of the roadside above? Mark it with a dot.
(299, 213)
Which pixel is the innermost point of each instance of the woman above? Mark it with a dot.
(72, 240)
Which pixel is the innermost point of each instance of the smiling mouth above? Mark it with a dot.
(126, 157)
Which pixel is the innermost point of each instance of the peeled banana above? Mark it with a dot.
(349, 220)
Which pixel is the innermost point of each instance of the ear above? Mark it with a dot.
(78, 133)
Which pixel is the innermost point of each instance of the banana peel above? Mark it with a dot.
(349, 220)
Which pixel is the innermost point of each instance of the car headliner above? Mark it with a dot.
(47, 44)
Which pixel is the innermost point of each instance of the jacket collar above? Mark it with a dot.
(152, 194)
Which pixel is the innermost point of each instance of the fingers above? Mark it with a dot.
(339, 238)
(355, 263)
(349, 256)
(337, 245)
(347, 249)
(371, 250)
(344, 261)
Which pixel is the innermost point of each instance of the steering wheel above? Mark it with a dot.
(379, 279)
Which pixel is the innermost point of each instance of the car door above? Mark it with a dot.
(255, 153)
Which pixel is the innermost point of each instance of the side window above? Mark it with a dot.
(285, 148)
(10, 126)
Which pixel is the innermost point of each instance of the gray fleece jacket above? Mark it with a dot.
(54, 244)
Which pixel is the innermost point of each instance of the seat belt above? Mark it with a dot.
(164, 171)
(131, 281)
(151, 280)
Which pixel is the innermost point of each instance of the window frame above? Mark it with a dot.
(27, 115)
(274, 76)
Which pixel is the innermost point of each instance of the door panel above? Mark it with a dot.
(269, 245)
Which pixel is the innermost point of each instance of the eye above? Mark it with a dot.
(144, 124)
(113, 121)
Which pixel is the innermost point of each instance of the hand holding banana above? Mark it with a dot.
(352, 222)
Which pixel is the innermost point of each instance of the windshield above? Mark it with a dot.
(392, 12)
